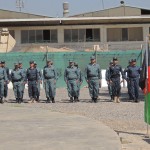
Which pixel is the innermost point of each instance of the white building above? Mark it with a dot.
(117, 28)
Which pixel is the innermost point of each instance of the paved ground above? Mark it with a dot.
(22, 128)
(125, 118)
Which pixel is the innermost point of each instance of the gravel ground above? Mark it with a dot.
(125, 118)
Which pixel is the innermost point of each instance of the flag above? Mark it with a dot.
(145, 84)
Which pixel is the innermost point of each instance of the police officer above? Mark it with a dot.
(17, 77)
(3, 81)
(133, 72)
(93, 77)
(114, 79)
(39, 81)
(7, 73)
(127, 78)
(50, 78)
(107, 79)
(71, 77)
(80, 80)
(20, 66)
(32, 77)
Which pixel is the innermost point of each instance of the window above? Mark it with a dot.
(39, 36)
(125, 34)
(54, 36)
(81, 35)
(24, 36)
(31, 36)
(75, 35)
(46, 35)
(67, 35)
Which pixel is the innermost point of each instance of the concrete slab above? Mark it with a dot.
(38, 129)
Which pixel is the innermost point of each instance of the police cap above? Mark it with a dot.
(92, 57)
(31, 62)
(115, 58)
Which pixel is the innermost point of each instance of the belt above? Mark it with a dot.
(90, 78)
(16, 80)
(31, 79)
(49, 78)
(72, 79)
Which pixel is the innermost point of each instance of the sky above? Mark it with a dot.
(53, 8)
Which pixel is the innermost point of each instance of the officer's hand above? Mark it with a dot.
(77, 81)
(54, 81)
(110, 82)
(66, 81)
(40, 82)
(8, 82)
(80, 82)
(87, 81)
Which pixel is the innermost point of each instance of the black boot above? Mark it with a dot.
(19, 100)
(1, 100)
(53, 100)
(48, 100)
(71, 99)
(95, 100)
(75, 99)
(78, 99)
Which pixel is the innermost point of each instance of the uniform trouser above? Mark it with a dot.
(50, 88)
(5, 90)
(134, 83)
(129, 89)
(94, 88)
(1, 88)
(116, 87)
(38, 89)
(32, 89)
(22, 87)
(110, 89)
(17, 87)
(78, 91)
(72, 87)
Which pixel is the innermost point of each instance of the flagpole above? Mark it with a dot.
(147, 84)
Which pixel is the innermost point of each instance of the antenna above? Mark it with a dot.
(19, 4)
(103, 4)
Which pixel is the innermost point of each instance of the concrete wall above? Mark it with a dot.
(85, 45)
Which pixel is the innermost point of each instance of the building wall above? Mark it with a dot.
(87, 45)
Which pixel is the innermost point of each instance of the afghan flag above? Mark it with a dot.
(145, 84)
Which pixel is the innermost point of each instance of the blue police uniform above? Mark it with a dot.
(93, 76)
(133, 77)
(71, 76)
(32, 78)
(3, 81)
(50, 78)
(114, 77)
(16, 78)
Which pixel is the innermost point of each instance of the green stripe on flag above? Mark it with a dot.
(147, 109)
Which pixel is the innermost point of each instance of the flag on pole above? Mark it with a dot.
(145, 84)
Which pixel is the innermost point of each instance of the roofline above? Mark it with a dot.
(108, 9)
(75, 18)
(26, 13)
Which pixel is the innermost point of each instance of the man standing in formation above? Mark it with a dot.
(133, 75)
(38, 82)
(93, 77)
(80, 80)
(50, 78)
(32, 78)
(17, 78)
(107, 79)
(71, 77)
(3, 81)
(114, 79)
(6, 84)
(24, 77)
